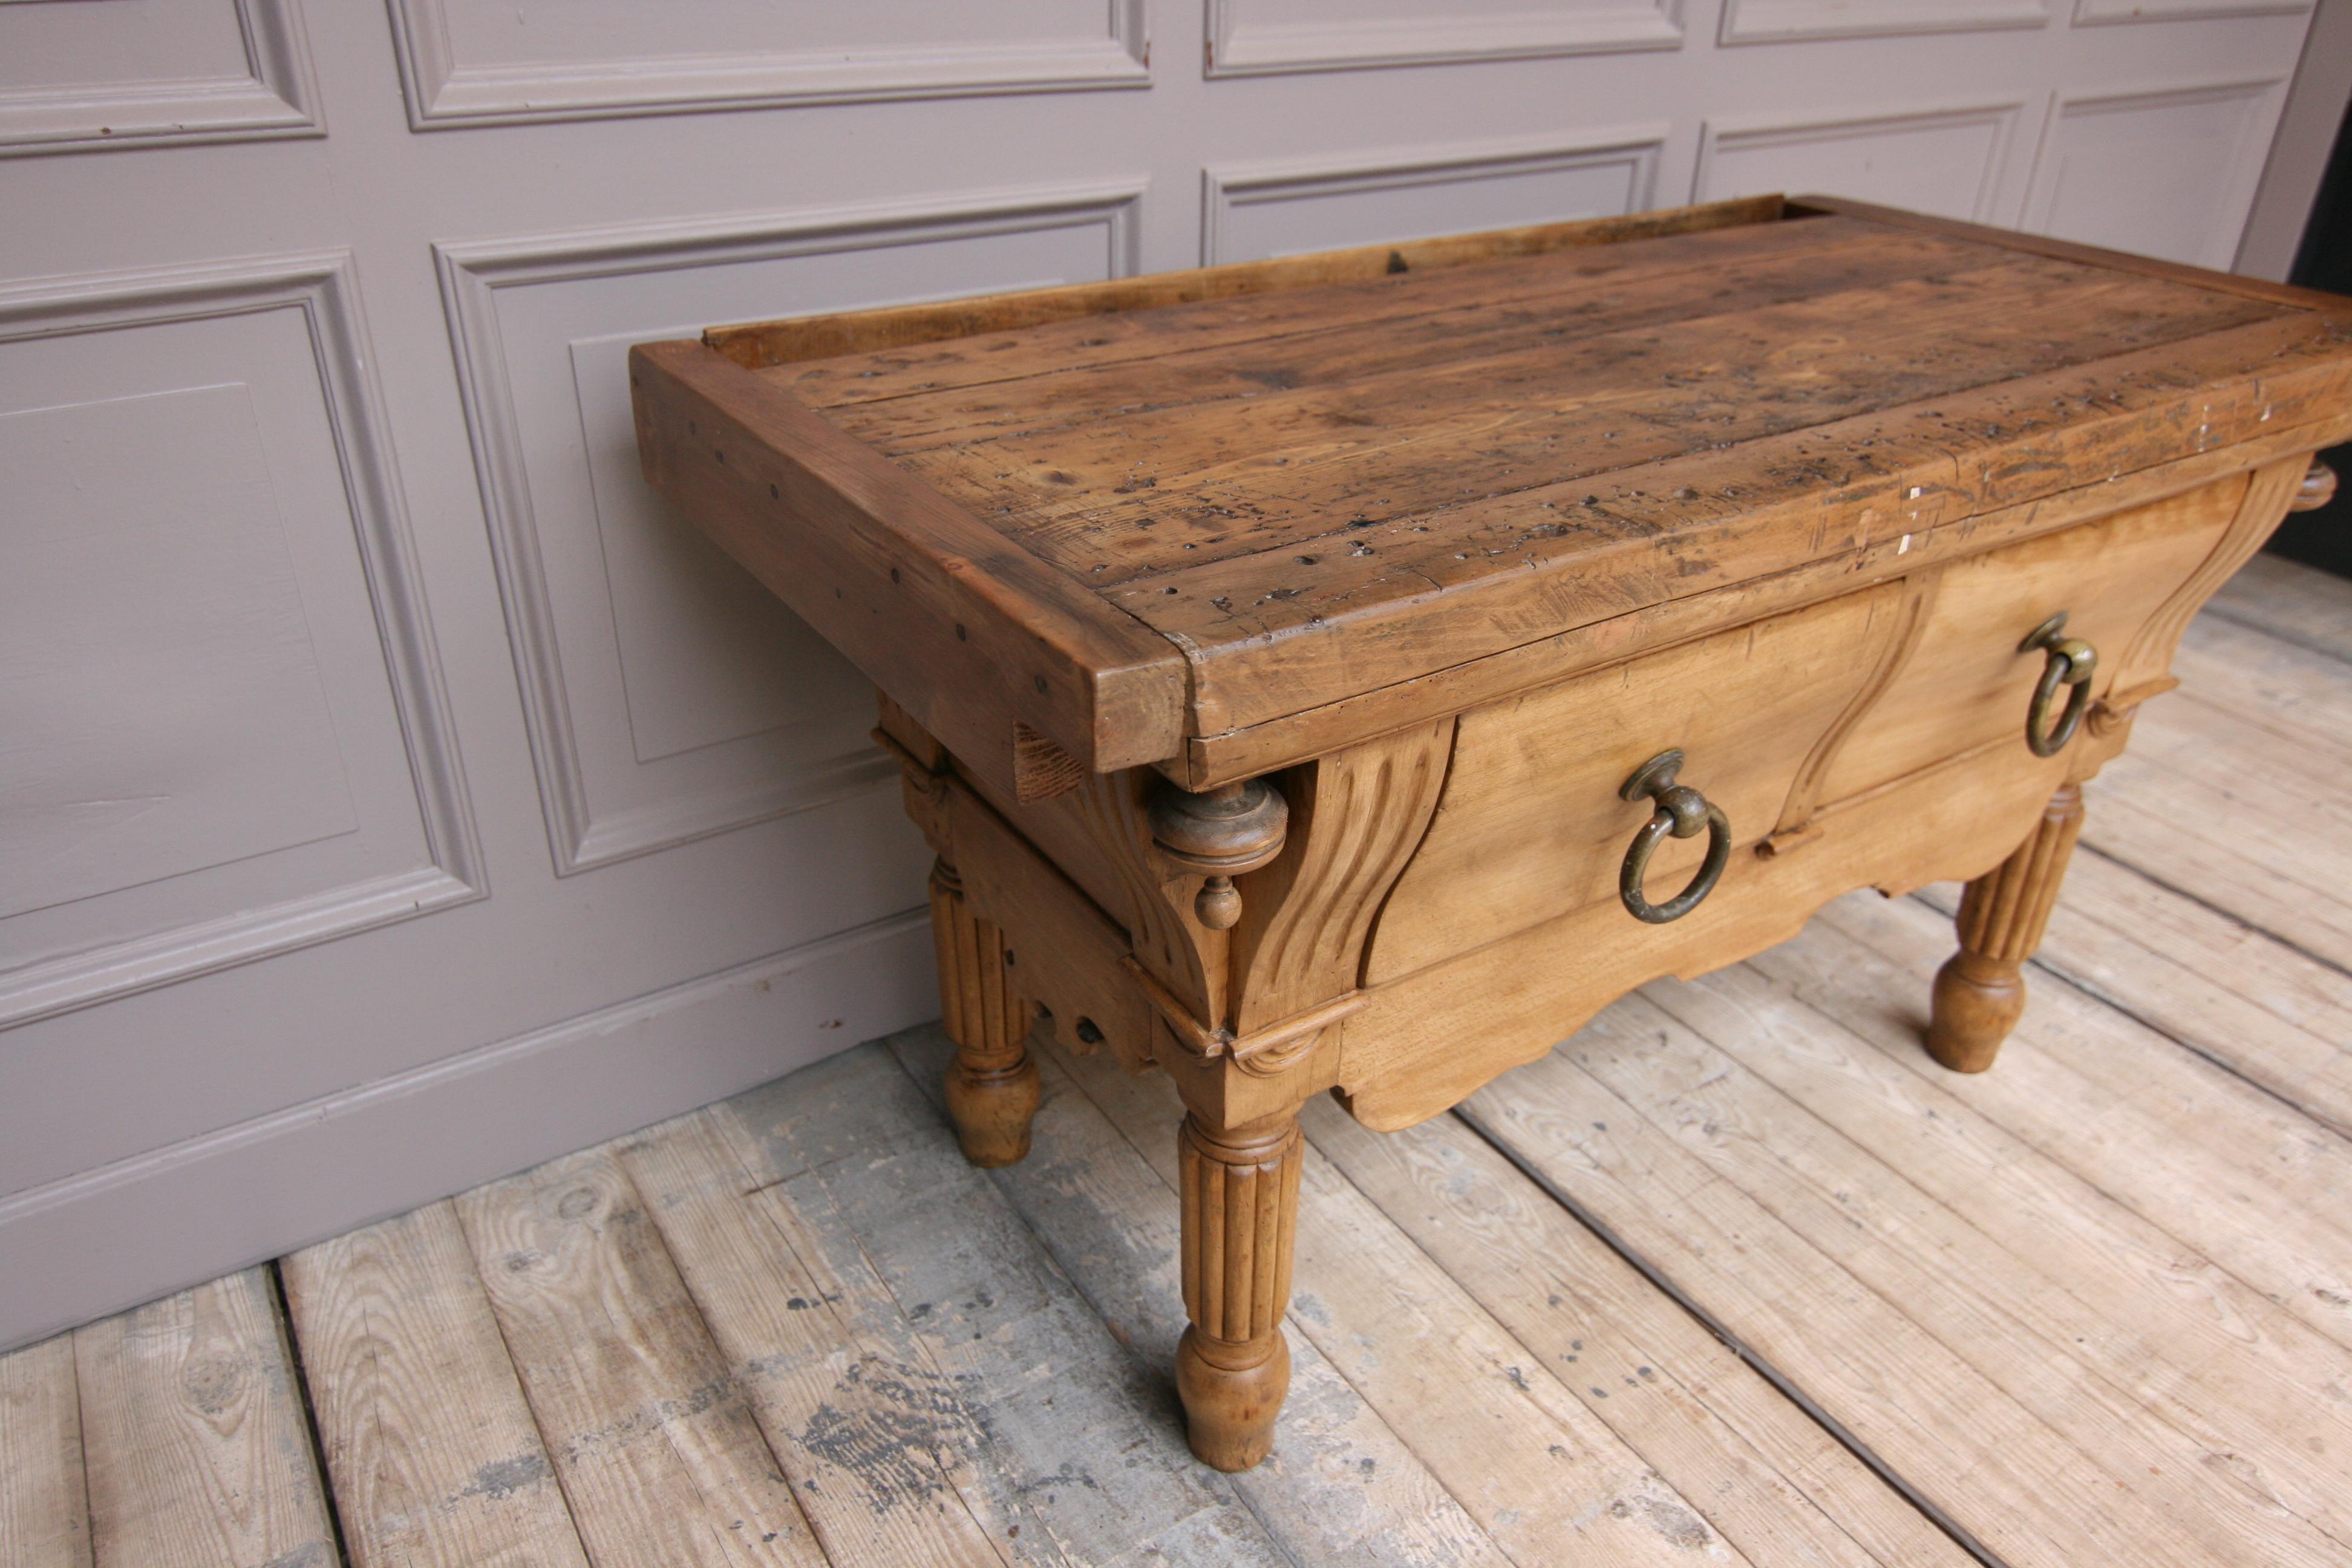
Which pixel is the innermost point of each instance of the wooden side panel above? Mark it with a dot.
(1425, 1040)
(1966, 685)
(1531, 825)
(972, 634)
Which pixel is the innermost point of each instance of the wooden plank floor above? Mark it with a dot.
(1735, 1275)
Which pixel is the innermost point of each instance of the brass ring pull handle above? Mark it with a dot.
(2072, 663)
(1682, 812)
(2317, 488)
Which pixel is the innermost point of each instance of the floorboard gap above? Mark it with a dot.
(2085, 846)
(309, 1412)
(1958, 1533)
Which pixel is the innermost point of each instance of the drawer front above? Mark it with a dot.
(1530, 824)
(1964, 685)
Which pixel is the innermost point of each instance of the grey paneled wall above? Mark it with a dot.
(393, 794)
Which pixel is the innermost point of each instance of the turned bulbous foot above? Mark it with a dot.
(1977, 1002)
(1231, 1394)
(1979, 993)
(991, 1109)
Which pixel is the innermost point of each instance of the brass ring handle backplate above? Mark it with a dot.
(2072, 663)
(1682, 812)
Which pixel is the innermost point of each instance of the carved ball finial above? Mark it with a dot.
(1220, 833)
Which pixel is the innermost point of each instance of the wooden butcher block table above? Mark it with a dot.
(1352, 672)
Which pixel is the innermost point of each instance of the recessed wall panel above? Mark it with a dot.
(159, 688)
(1256, 210)
(1949, 162)
(472, 62)
(1257, 38)
(221, 732)
(669, 696)
(82, 74)
(2168, 173)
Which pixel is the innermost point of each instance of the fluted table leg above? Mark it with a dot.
(1980, 993)
(1240, 1194)
(991, 1083)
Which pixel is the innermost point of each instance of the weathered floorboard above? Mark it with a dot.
(1080, 1445)
(657, 1454)
(44, 1504)
(1539, 1472)
(2235, 995)
(432, 1452)
(878, 1444)
(1972, 1447)
(2296, 603)
(1778, 1486)
(193, 1441)
(2144, 1383)
(2119, 1106)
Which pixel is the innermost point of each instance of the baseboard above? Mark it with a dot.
(102, 1241)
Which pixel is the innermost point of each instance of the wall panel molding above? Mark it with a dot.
(127, 1232)
(322, 286)
(475, 274)
(2097, 13)
(1238, 46)
(278, 97)
(1228, 191)
(2111, 192)
(1878, 134)
(1773, 21)
(444, 90)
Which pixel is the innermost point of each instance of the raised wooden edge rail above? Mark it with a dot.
(979, 637)
(757, 344)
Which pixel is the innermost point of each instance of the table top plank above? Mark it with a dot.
(1316, 480)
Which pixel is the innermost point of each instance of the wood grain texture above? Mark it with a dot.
(898, 327)
(899, 578)
(1326, 487)
(2210, 1354)
(195, 1444)
(1531, 825)
(1343, 1487)
(1357, 817)
(1079, 1447)
(1979, 1450)
(431, 1449)
(881, 1447)
(1508, 1001)
(651, 1438)
(2142, 1124)
(992, 1084)
(1872, 559)
(1774, 1483)
(44, 1502)
(1530, 1457)
(2292, 601)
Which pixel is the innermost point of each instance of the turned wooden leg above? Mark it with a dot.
(1240, 1197)
(991, 1087)
(1978, 991)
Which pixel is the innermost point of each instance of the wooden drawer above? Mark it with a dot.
(1964, 685)
(1530, 824)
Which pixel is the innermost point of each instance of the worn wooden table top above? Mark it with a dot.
(1335, 502)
